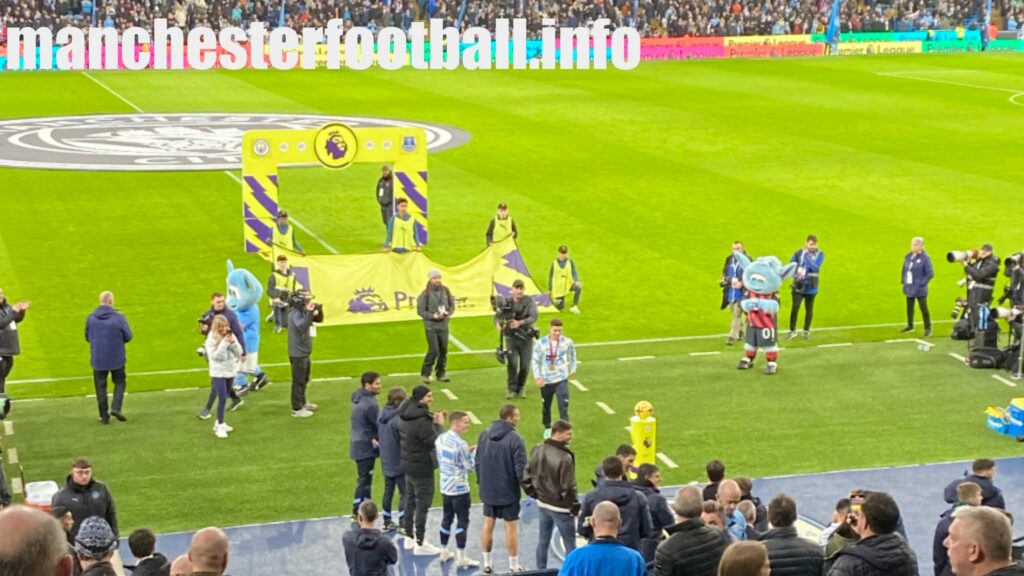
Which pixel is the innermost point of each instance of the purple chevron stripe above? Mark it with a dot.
(302, 276)
(250, 247)
(259, 193)
(514, 260)
(273, 178)
(421, 233)
(423, 174)
(414, 195)
(258, 226)
(503, 290)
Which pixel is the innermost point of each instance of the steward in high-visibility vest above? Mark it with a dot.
(502, 226)
(284, 235)
(402, 230)
(280, 286)
(564, 279)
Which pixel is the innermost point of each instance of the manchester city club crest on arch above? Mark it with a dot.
(408, 143)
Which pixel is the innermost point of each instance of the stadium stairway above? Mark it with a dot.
(313, 547)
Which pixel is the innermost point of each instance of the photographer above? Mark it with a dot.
(515, 318)
(302, 313)
(280, 286)
(981, 272)
(805, 284)
(732, 292)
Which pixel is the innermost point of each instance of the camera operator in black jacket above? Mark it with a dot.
(515, 318)
(981, 273)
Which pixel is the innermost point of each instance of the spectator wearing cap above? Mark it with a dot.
(148, 562)
(693, 548)
(516, 333)
(564, 279)
(95, 544)
(788, 553)
(85, 497)
(32, 543)
(284, 235)
(554, 363)
(501, 227)
(401, 235)
(386, 194)
(436, 306)
(419, 429)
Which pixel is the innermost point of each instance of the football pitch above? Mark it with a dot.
(648, 175)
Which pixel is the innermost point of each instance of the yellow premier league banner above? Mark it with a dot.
(383, 287)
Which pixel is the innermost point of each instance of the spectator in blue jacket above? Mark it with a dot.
(605, 554)
(500, 464)
(389, 443)
(917, 273)
(983, 470)
(107, 331)
(633, 511)
(805, 283)
(363, 440)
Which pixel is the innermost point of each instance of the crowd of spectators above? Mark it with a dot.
(654, 18)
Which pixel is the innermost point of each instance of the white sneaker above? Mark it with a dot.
(575, 309)
(426, 549)
(310, 407)
(224, 426)
(220, 432)
(446, 555)
(408, 543)
(303, 413)
(467, 563)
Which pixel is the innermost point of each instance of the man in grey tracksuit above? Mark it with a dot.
(435, 305)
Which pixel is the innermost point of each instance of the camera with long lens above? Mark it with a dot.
(1008, 314)
(506, 313)
(958, 308)
(1012, 262)
(961, 256)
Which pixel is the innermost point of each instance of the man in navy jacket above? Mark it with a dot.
(107, 331)
(500, 465)
(362, 443)
(917, 273)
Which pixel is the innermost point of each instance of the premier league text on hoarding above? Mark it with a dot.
(233, 48)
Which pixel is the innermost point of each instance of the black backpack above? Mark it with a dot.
(987, 358)
(962, 330)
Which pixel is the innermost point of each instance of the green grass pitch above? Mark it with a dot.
(647, 175)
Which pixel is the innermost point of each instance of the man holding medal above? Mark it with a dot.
(554, 362)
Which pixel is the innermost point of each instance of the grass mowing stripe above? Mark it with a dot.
(1009, 383)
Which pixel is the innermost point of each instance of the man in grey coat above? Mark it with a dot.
(302, 313)
(10, 316)
(107, 331)
(435, 305)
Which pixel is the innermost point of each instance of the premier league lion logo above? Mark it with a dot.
(366, 301)
(336, 145)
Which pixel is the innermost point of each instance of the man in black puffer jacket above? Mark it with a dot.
(419, 428)
(85, 497)
(648, 481)
(636, 516)
(789, 554)
(367, 550)
(880, 550)
(693, 548)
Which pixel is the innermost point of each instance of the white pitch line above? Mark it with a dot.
(631, 358)
(458, 343)
(8, 428)
(334, 379)
(400, 374)
(958, 357)
(579, 385)
(627, 428)
(899, 340)
(181, 389)
(16, 487)
(473, 418)
(22, 400)
(1009, 383)
(666, 460)
(451, 395)
(704, 353)
(115, 94)
(607, 409)
(837, 345)
(924, 342)
(949, 82)
(12, 455)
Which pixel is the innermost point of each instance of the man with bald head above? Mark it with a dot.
(32, 543)
(605, 554)
(980, 543)
(729, 496)
(208, 554)
(693, 548)
(107, 331)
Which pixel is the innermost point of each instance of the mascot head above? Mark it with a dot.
(765, 275)
(244, 290)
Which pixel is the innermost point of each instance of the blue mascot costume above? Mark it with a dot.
(244, 293)
(762, 280)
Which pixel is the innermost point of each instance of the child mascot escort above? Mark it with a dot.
(762, 278)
